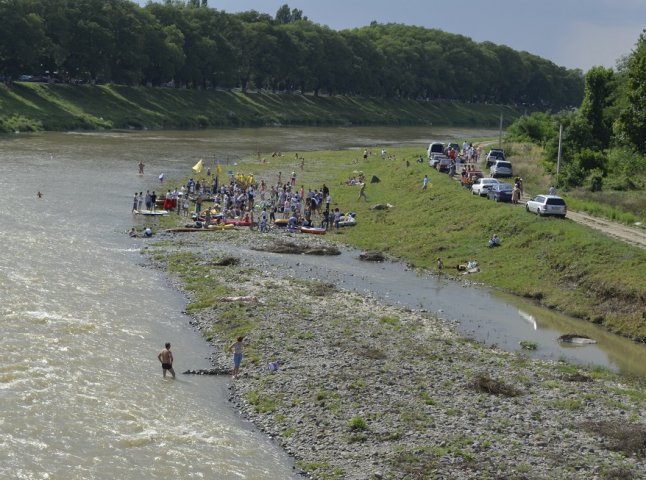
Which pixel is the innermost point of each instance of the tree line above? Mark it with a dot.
(604, 140)
(188, 44)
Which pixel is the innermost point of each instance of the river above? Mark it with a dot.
(81, 390)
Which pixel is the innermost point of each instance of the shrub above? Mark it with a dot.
(484, 383)
(357, 424)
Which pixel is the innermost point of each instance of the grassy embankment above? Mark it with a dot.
(34, 107)
(558, 263)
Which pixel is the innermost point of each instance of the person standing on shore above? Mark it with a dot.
(362, 192)
(425, 182)
(166, 359)
(237, 348)
(141, 167)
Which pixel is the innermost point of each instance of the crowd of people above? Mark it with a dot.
(241, 196)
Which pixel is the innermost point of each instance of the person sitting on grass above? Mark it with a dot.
(494, 241)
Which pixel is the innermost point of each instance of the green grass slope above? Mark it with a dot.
(34, 106)
(561, 264)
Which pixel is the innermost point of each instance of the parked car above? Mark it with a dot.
(482, 185)
(435, 147)
(436, 158)
(443, 164)
(493, 155)
(454, 146)
(502, 168)
(500, 192)
(547, 205)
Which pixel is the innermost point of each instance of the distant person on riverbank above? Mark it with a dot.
(135, 203)
(141, 167)
(440, 264)
(148, 232)
(237, 348)
(362, 192)
(185, 207)
(425, 182)
(166, 359)
(552, 190)
(494, 241)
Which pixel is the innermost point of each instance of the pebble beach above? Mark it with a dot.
(367, 390)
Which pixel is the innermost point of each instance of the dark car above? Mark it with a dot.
(454, 146)
(493, 155)
(443, 164)
(500, 192)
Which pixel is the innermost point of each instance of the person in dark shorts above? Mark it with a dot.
(166, 359)
(237, 348)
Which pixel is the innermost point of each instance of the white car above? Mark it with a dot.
(482, 185)
(547, 205)
(501, 168)
(435, 147)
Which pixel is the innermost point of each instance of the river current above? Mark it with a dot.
(81, 390)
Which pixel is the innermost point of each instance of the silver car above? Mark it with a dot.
(501, 168)
(547, 205)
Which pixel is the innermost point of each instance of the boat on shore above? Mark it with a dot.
(314, 230)
(152, 212)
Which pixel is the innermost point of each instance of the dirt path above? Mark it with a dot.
(631, 235)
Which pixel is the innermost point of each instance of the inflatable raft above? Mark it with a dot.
(313, 230)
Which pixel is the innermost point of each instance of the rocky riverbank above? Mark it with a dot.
(366, 390)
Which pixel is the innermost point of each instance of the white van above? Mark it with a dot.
(434, 148)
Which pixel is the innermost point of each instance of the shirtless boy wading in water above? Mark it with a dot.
(166, 359)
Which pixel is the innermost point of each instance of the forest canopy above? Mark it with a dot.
(190, 45)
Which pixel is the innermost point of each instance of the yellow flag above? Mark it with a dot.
(218, 170)
(197, 168)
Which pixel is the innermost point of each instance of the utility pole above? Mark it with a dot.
(558, 156)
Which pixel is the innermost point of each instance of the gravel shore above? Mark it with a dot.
(366, 390)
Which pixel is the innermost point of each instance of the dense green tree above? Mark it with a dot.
(284, 15)
(598, 89)
(190, 45)
(22, 38)
(632, 123)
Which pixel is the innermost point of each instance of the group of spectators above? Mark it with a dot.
(238, 200)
